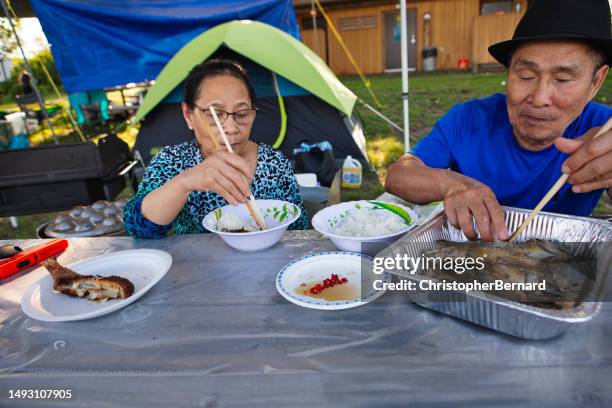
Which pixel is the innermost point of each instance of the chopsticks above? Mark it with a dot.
(554, 189)
(250, 200)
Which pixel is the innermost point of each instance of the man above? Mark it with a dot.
(510, 149)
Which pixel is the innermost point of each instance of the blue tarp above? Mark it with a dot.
(103, 43)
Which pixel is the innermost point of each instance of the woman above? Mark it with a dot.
(185, 182)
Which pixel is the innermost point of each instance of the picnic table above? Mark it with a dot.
(215, 332)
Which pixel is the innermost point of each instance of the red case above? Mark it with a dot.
(31, 257)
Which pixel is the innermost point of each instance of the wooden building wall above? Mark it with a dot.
(457, 31)
(490, 30)
(308, 38)
(451, 29)
(366, 45)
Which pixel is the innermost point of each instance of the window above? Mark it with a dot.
(357, 23)
(495, 7)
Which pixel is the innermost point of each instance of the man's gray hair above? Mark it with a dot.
(597, 55)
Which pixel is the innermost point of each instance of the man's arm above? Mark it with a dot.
(413, 181)
(465, 200)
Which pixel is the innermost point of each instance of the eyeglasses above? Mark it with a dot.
(241, 117)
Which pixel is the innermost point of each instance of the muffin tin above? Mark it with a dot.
(100, 218)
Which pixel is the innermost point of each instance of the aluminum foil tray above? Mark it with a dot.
(516, 319)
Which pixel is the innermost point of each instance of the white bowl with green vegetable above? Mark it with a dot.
(237, 228)
(364, 226)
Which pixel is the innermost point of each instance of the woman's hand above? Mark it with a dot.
(226, 174)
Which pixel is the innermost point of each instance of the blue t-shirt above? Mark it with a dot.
(475, 139)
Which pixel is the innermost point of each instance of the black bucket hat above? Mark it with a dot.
(586, 20)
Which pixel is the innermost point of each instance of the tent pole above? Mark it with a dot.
(313, 13)
(29, 69)
(380, 115)
(404, 45)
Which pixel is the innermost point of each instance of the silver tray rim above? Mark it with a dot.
(586, 311)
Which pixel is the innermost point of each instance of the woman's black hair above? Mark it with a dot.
(211, 68)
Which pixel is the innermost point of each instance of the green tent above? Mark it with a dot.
(266, 45)
(298, 97)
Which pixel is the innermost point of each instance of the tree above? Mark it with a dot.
(8, 42)
(13, 87)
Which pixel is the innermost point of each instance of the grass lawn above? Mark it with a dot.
(431, 95)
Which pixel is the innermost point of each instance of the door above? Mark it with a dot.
(393, 53)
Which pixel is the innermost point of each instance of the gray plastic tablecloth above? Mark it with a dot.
(214, 332)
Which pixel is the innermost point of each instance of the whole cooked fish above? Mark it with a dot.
(566, 276)
(91, 287)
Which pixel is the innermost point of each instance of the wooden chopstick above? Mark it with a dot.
(553, 190)
(255, 208)
(208, 131)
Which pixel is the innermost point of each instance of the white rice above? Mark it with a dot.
(368, 222)
(229, 222)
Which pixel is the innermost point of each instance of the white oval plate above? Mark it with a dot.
(316, 267)
(143, 267)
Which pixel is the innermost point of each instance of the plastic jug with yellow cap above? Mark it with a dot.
(352, 173)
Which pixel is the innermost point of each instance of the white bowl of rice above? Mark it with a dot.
(237, 228)
(364, 227)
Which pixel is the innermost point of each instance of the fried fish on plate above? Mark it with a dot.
(92, 287)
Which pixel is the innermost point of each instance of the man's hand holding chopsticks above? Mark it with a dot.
(590, 164)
